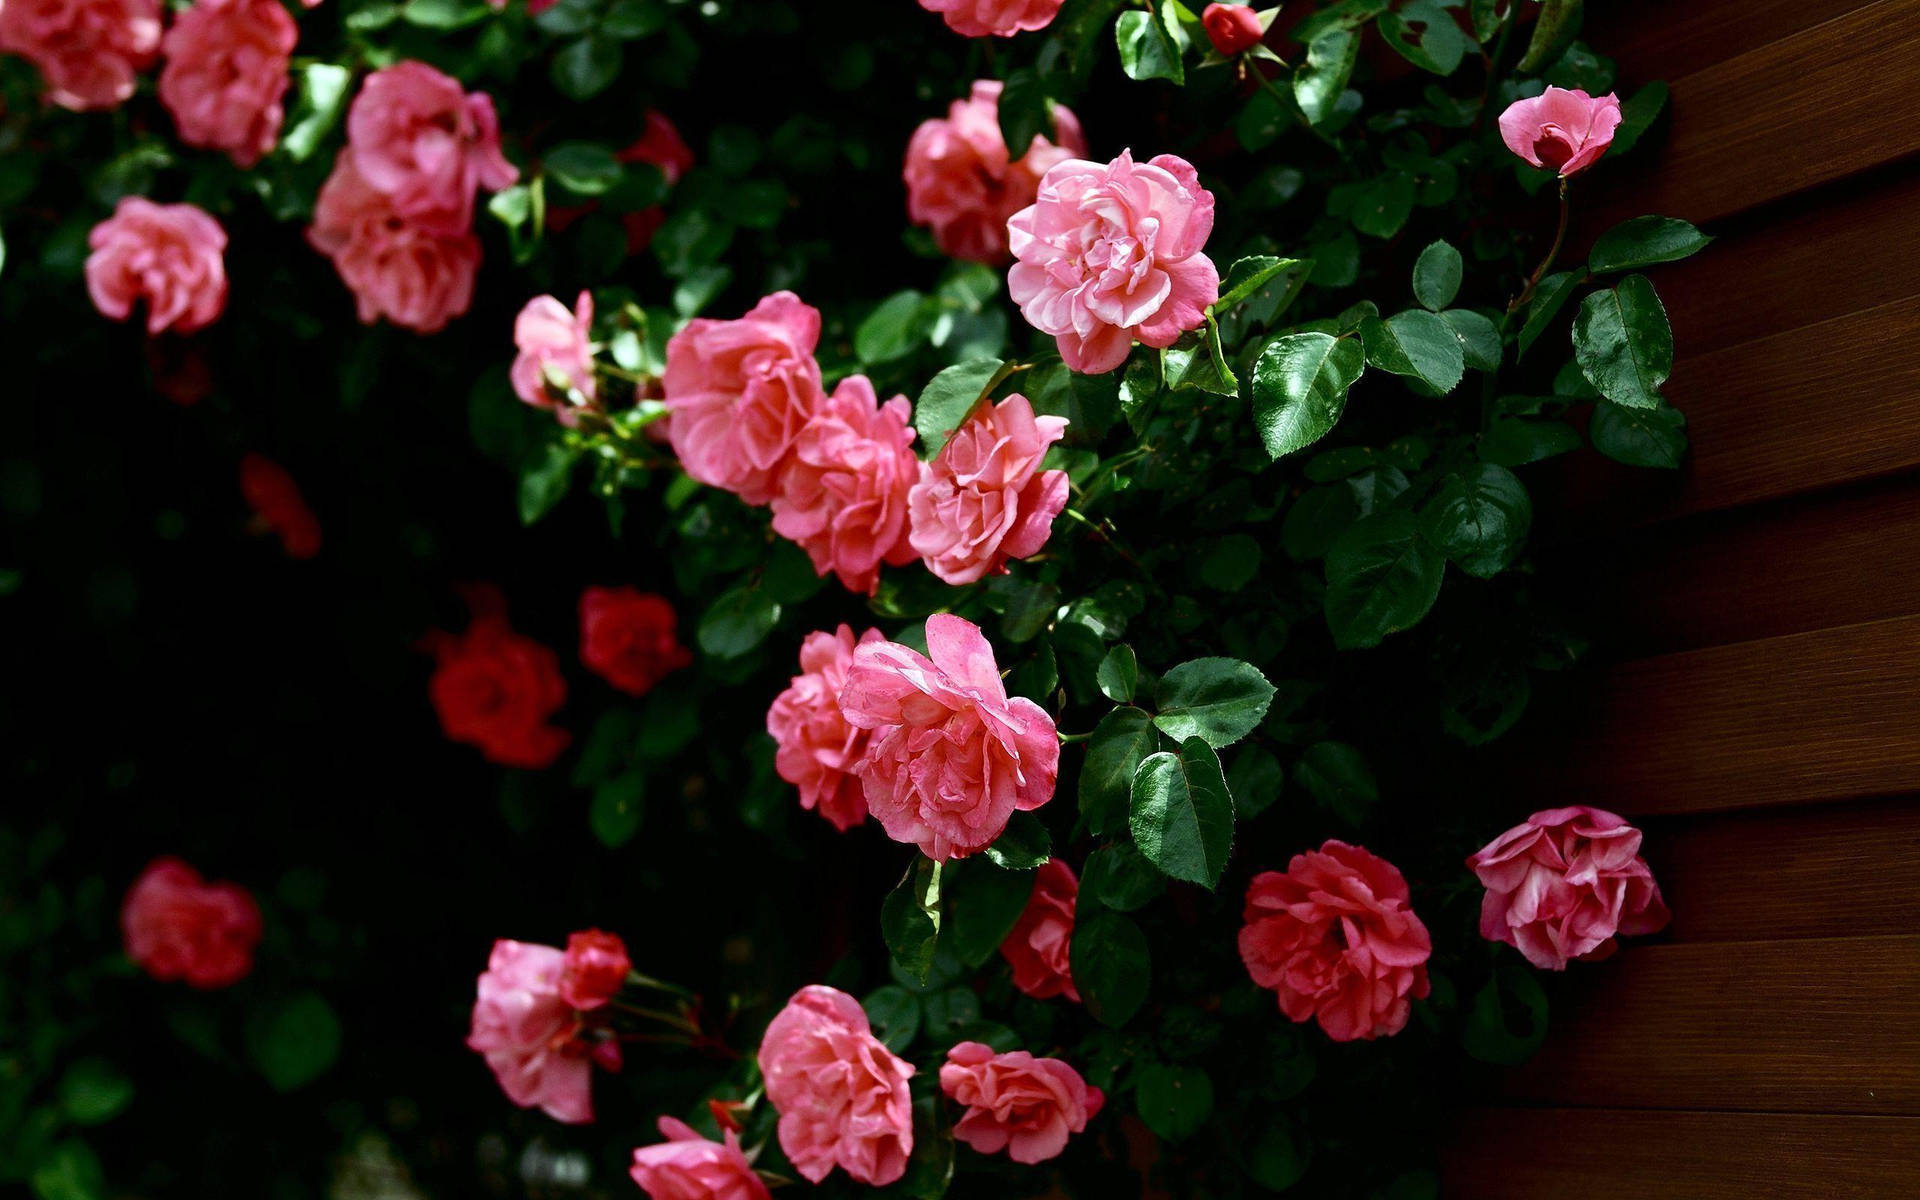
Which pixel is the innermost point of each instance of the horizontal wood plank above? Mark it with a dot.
(1827, 715)
(1809, 109)
(1820, 1025)
(1666, 41)
(1778, 874)
(1602, 1154)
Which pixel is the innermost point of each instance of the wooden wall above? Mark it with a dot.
(1756, 706)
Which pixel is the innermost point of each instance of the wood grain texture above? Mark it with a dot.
(1605, 1154)
(1827, 715)
(1778, 874)
(1790, 115)
(1824, 1025)
(1665, 40)
(1837, 558)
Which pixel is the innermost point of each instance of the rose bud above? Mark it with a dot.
(1232, 28)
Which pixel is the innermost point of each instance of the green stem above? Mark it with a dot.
(1553, 252)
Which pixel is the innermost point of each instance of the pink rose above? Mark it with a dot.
(534, 1040)
(963, 182)
(843, 497)
(555, 363)
(819, 751)
(1335, 937)
(739, 392)
(226, 75)
(88, 51)
(984, 499)
(1110, 254)
(594, 969)
(952, 757)
(1232, 27)
(1037, 946)
(1562, 883)
(1000, 18)
(169, 255)
(689, 1167)
(178, 926)
(412, 275)
(1564, 131)
(1015, 1102)
(427, 143)
(841, 1094)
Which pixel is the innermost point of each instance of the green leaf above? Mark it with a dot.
(1623, 343)
(894, 1013)
(1382, 577)
(1121, 878)
(1426, 35)
(737, 622)
(1255, 780)
(1201, 365)
(1558, 25)
(1318, 82)
(1300, 384)
(910, 920)
(1549, 297)
(1174, 1101)
(1643, 242)
(895, 329)
(1111, 966)
(68, 1171)
(1219, 700)
(1345, 14)
(1230, 563)
(1023, 845)
(1416, 343)
(1381, 206)
(1182, 813)
(983, 902)
(584, 168)
(586, 66)
(1025, 111)
(1639, 437)
(323, 94)
(564, 18)
(1516, 441)
(945, 1014)
(1279, 1157)
(93, 1090)
(1637, 114)
(1491, 1034)
(1436, 275)
(1337, 776)
(1480, 518)
(1121, 739)
(1147, 48)
(545, 483)
(444, 14)
(1489, 16)
(1118, 674)
(295, 1041)
(630, 19)
(1479, 338)
(948, 398)
(618, 805)
(1248, 275)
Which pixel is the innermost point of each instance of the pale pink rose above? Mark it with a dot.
(169, 255)
(843, 496)
(427, 143)
(1112, 253)
(984, 500)
(177, 926)
(841, 1094)
(594, 969)
(1336, 937)
(1015, 1102)
(997, 18)
(739, 392)
(819, 750)
(88, 51)
(1563, 883)
(689, 1167)
(952, 756)
(412, 275)
(226, 75)
(555, 363)
(1564, 131)
(533, 1040)
(963, 183)
(1038, 945)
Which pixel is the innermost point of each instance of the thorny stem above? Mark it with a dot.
(1553, 252)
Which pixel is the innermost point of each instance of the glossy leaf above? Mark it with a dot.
(1382, 577)
(1624, 344)
(948, 398)
(1643, 242)
(1639, 437)
(1121, 739)
(1416, 343)
(1480, 518)
(1219, 700)
(1318, 82)
(1436, 275)
(1299, 388)
(1182, 813)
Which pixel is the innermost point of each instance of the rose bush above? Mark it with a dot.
(1143, 497)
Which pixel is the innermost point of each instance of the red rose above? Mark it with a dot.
(495, 689)
(277, 504)
(627, 638)
(595, 967)
(178, 926)
(1036, 947)
(1232, 28)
